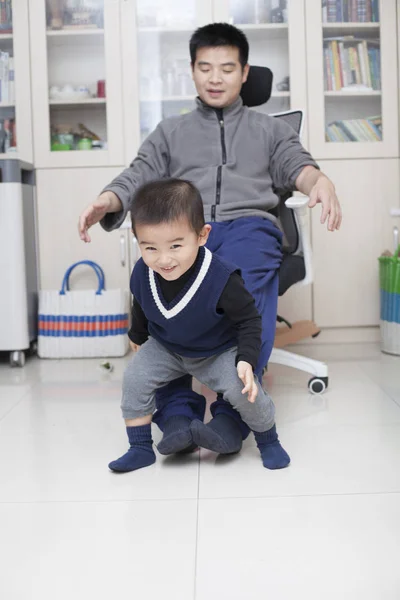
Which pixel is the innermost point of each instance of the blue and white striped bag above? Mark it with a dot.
(83, 323)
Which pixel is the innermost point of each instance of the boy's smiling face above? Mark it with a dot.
(170, 249)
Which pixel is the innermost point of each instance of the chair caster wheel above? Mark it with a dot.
(317, 385)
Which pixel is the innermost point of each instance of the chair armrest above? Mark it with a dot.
(299, 205)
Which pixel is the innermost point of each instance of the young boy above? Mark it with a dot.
(197, 318)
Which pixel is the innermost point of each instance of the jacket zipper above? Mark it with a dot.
(220, 117)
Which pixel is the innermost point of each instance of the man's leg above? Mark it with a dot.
(254, 245)
(220, 374)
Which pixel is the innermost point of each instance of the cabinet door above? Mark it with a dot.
(346, 285)
(157, 79)
(61, 196)
(15, 86)
(275, 30)
(76, 82)
(352, 80)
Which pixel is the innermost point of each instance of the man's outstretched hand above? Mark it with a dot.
(320, 189)
(105, 203)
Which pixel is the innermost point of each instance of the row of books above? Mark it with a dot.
(5, 16)
(355, 130)
(350, 11)
(8, 138)
(351, 62)
(7, 79)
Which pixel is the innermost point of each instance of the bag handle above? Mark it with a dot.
(97, 269)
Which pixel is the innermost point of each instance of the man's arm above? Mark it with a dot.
(111, 206)
(320, 189)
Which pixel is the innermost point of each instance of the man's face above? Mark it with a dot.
(218, 75)
(170, 249)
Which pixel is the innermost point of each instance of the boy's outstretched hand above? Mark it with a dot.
(245, 373)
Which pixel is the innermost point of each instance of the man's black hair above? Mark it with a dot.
(168, 200)
(216, 35)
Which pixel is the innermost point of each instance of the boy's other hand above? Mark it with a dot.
(245, 373)
(134, 347)
(106, 202)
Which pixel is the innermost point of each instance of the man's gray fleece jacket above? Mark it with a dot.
(236, 157)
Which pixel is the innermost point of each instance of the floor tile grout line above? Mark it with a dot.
(18, 403)
(198, 499)
(197, 529)
(388, 394)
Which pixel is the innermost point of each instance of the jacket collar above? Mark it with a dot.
(229, 111)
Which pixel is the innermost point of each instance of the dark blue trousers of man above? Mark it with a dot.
(254, 245)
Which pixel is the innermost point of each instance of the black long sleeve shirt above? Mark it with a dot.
(235, 302)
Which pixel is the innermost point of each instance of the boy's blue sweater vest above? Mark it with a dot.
(189, 325)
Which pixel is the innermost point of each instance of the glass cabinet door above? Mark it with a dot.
(77, 87)
(15, 82)
(351, 58)
(77, 96)
(265, 23)
(275, 30)
(165, 82)
(352, 71)
(8, 138)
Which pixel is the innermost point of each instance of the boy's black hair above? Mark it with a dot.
(216, 35)
(168, 200)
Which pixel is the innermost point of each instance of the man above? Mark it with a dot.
(237, 158)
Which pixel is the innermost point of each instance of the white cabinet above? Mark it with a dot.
(77, 85)
(15, 85)
(61, 196)
(346, 285)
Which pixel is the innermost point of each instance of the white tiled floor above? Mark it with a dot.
(201, 527)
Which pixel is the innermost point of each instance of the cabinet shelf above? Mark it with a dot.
(334, 29)
(74, 32)
(6, 105)
(349, 94)
(78, 102)
(9, 156)
(263, 26)
(6, 36)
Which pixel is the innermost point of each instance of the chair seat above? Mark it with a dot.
(292, 270)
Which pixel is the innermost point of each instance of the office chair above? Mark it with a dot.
(296, 267)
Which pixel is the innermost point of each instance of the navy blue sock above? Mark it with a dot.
(222, 434)
(177, 436)
(272, 453)
(140, 453)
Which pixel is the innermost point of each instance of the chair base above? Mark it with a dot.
(296, 361)
(300, 330)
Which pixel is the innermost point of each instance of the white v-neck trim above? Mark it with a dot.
(172, 312)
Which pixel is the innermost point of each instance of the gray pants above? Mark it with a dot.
(153, 366)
